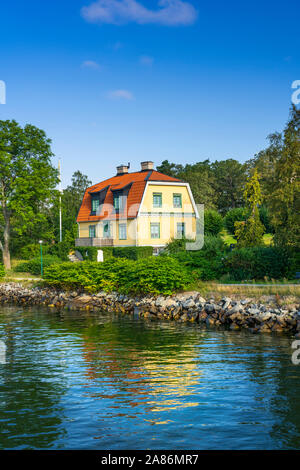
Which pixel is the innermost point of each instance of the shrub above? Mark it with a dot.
(257, 263)
(60, 250)
(32, 251)
(213, 222)
(207, 263)
(239, 214)
(175, 245)
(133, 252)
(89, 253)
(150, 275)
(34, 265)
(2, 271)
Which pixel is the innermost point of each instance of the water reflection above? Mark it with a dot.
(75, 380)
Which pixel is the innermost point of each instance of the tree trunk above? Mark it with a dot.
(6, 238)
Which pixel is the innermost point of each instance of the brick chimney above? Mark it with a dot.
(146, 166)
(122, 170)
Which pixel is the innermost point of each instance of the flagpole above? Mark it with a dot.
(60, 192)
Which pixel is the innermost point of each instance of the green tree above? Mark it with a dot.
(284, 195)
(229, 177)
(27, 180)
(250, 232)
(213, 222)
(238, 214)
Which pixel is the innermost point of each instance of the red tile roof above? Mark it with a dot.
(137, 181)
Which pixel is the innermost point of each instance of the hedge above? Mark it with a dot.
(34, 265)
(131, 252)
(2, 271)
(257, 263)
(153, 275)
(89, 253)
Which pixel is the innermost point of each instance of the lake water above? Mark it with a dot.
(103, 381)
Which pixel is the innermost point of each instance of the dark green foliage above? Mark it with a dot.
(257, 263)
(206, 264)
(2, 271)
(175, 245)
(60, 249)
(32, 250)
(130, 252)
(213, 222)
(34, 265)
(235, 215)
(265, 218)
(89, 253)
(133, 252)
(153, 275)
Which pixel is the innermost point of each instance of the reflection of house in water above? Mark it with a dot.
(160, 379)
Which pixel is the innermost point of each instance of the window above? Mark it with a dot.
(177, 201)
(180, 230)
(122, 232)
(92, 231)
(95, 204)
(106, 230)
(155, 230)
(157, 200)
(119, 202)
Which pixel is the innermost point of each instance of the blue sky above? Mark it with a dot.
(113, 81)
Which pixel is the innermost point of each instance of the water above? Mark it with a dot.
(87, 381)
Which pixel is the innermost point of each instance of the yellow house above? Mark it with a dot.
(144, 208)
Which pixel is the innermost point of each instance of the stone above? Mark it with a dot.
(188, 303)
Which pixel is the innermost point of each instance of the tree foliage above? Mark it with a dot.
(27, 181)
(250, 232)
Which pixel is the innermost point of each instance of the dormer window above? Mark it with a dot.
(95, 204)
(118, 201)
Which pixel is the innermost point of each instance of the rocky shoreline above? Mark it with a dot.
(185, 307)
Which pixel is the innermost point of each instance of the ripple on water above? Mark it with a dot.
(76, 380)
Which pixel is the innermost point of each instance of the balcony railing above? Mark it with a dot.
(87, 241)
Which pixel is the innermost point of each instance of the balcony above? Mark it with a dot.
(87, 241)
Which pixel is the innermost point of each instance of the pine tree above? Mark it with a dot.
(250, 232)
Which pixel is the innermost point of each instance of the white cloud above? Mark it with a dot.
(120, 94)
(90, 64)
(169, 12)
(146, 60)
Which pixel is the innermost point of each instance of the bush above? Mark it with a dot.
(175, 245)
(2, 271)
(239, 214)
(32, 251)
(207, 263)
(60, 249)
(133, 252)
(153, 275)
(213, 222)
(34, 265)
(257, 263)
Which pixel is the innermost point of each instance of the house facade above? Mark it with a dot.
(144, 208)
